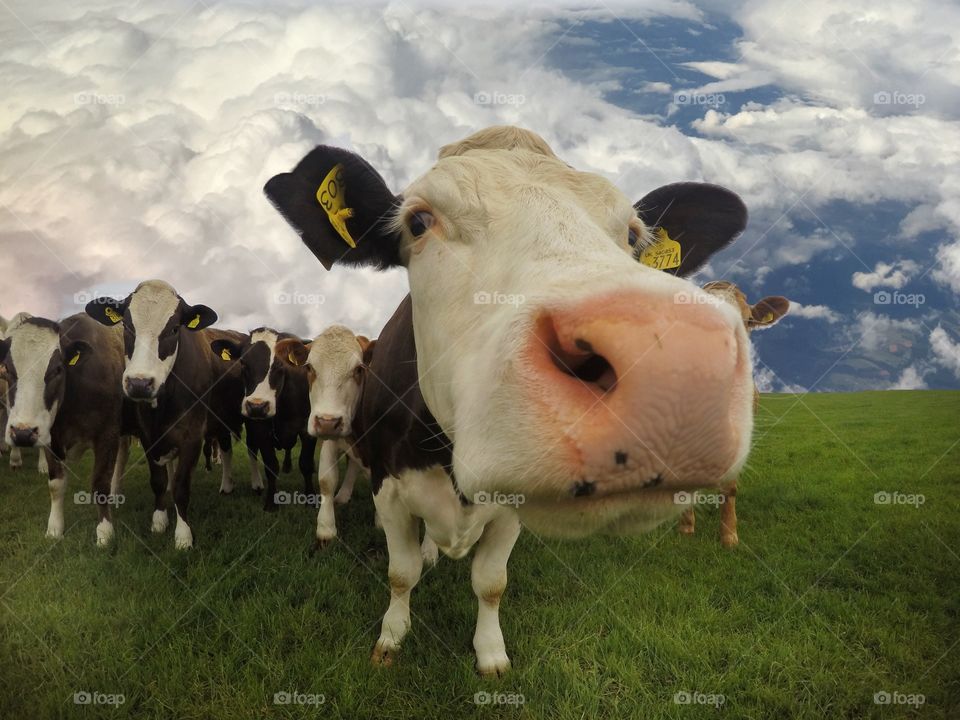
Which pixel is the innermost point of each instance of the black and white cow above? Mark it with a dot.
(64, 395)
(559, 382)
(182, 393)
(274, 405)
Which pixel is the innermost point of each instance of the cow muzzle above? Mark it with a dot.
(258, 409)
(328, 427)
(140, 388)
(24, 436)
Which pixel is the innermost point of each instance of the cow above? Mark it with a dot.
(182, 395)
(536, 373)
(64, 395)
(16, 457)
(336, 362)
(274, 405)
(763, 314)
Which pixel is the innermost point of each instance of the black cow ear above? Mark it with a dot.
(107, 311)
(690, 222)
(197, 317)
(341, 207)
(75, 352)
(226, 350)
(4, 348)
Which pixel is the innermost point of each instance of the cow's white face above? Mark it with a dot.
(334, 361)
(153, 317)
(34, 366)
(261, 379)
(566, 373)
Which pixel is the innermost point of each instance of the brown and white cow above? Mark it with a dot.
(16, 457)
(537, 373)
(64, 395)
(182, 393)
(763, 314)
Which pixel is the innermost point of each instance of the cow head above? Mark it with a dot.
(263, 373)
(153, 316)
(335, 366)
(563, 370)
(37, 362)
(763, 314)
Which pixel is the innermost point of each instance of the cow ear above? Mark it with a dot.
(4, 348)
(698, 218)
(768, 311)
(226, 350)
(341, 207)
(292, 351)
(364, 342)
(197, 317)
(75, 352)
(106, 310)
(368, 352)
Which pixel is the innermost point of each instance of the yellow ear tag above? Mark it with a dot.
(332, 195)
(112, 315)
(664, 254)
(225, 354)
(193, 323)
(74, 359)
(293, 360)
(768, 318)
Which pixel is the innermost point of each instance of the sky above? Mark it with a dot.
(135, 140)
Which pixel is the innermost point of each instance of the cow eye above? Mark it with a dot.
(419, 222)
(358, 373)
(633, 237)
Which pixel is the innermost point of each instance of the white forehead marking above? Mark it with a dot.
(263, 391)
(151, 307)
(31, 348)
(335, 346)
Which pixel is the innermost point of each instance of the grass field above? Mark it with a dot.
(829, 599)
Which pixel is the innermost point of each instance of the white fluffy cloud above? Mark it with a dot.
(876, 331)
(910, 379)
(814, 312)
(946, 352)
(891, 275)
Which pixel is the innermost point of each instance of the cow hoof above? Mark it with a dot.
(257, 489)
(323, 543)
(183, 540)
(104, 533)
(384, 654)
(55, 531)
(730, 540)
(15, 467)
(685, 530)
(160, 521)
(226, 492)
(493, 666)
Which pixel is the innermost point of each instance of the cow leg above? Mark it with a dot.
(287, 461)
(16, 458)
(226, 464)
(104, 466)
(42, 466)
(256, 479)
(120, 466)
(688, 522)
(159, 479)
(728, 517)
(405, 564)
(308, 448)
(350, 477)
(57, 483)
(327, 477)
(428, 549)
(207, 454)
(183, 535)
(488, 576)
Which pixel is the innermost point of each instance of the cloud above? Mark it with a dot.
(946, 352)
(767, 381)
(910, 379)
(814, 312)
(892, 275)
(876, 331)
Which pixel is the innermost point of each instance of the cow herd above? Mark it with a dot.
(607, 389)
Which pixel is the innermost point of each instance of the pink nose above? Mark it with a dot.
(640, 391)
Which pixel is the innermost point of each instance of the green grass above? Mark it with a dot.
(829, 598)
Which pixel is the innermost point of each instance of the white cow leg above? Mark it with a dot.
(327, 479)
(58, 489)
(42, 466)
(489, 578)
(16, 458)
(346, 490)
(428, 549)
(226, 476)
(406, 563)
(256, 479)
(120, 467)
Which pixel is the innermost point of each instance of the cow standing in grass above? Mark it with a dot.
(64, 395)
(763, 314)
(16, 457)
(580, 403)
(274, 405)
(182, 394)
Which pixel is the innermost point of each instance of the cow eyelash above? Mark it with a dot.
(419, 221)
